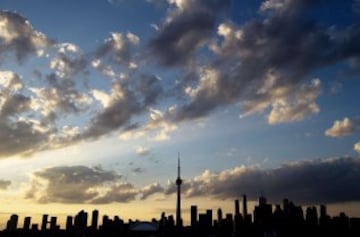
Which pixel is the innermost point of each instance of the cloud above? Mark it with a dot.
(300, 105)
(82, 184)
(357, 147)
(265, 62)
(68, 61)
(19, 134)
(343, 127)
(121, 106)
(264, 65)
(126, 192)
(138, 170)
(158, 128)
(4, 184)
(304, 181)
(18, 36)
(120, 192)
(142, 151)
(70, 184)
(187, 27)
(150, 190)
(117, 48)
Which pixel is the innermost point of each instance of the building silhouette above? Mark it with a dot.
(11, 225)
(27, 222)
(94, 219)
(193, 217)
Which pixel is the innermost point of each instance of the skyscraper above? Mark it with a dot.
(178, 203)
(44, 222)
(27, 221)
(244, 206)
(237, 207)
(193, 210)
(219, 215)
(12, 223)
(94, 219)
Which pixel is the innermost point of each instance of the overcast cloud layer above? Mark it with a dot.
(263, 65)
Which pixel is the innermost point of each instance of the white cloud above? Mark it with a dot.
(274, 4)
(343, 128)
(357, 147)
(10, 81)
(102, 96)
(298, 106)
(134, 39)
(142, 151)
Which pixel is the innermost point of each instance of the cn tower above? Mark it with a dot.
(178, 203)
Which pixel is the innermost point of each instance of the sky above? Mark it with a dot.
(97, 98)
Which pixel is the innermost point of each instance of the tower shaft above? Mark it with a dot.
(178, 201)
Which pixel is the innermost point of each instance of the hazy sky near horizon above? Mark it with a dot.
(98, 97)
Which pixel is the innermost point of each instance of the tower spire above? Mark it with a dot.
(178, 203)
(178, 164)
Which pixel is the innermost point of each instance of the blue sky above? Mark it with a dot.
(104, 94)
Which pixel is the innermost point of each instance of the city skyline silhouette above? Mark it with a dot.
(266, 219)
(259, 97)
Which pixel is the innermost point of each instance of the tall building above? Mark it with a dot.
(244, 200)
(193, 210)
(178, 203)
(94, 219)
(27, 221)
(80, 221)
(209, 217)
(44, 222)
(12, 223)
(237, 207)
(219, 215)
(53, 223)
(69, 223)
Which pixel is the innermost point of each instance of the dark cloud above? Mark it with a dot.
(117, 113)
(308, 182)
(18, 134)
(18, 36)
(138, 170)
(150, 190)
(82, 184)
(69, 61)
(265, 61)
(149, 88)
(125, 100)
(70, 184)
(121, 192)
(117, 48)
(4, 184)
(187, 27)
(64, 95)
(22, 137)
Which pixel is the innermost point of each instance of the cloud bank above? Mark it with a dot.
(82, 184)
(306, 182)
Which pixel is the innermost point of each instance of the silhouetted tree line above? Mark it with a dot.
(287, 220)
